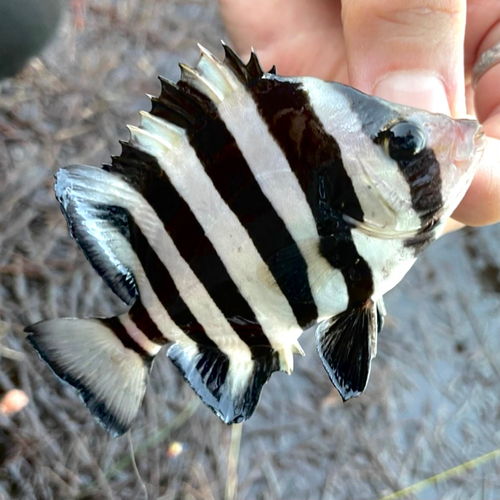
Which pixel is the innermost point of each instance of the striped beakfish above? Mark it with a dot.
(245, 209)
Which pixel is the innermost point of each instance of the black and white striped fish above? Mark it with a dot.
(246, 208)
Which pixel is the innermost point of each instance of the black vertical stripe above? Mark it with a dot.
(142, 171)
(315, 158)
(140, 316)
(165, 288)
(128, 342)
(338, 247)
(234, 181)
(423, 175)
(424, 178)
(232, 177)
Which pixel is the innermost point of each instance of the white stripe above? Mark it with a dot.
(150, 300)
(230, 240)
(152, 304)
(138, 336)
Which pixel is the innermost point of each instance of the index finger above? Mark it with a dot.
(408, 51)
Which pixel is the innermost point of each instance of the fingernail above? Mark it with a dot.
(420, 90)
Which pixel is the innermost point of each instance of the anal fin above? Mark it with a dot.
(345, 344)
(230, 388)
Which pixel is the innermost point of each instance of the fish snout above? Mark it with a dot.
(469, 141)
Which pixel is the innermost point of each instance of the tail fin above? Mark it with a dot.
(99, 359)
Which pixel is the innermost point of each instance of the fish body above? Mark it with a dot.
(245, 209)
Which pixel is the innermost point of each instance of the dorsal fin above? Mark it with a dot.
(183, 107)
(184, 103)
(101, 231)
(189, 103)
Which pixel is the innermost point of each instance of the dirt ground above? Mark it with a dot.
(432, 403)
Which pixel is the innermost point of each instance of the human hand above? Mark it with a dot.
(415, 52)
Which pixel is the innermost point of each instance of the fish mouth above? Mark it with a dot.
(468, 151)
(480, 138)
(470, 140)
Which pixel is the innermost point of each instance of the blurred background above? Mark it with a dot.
(432, 403)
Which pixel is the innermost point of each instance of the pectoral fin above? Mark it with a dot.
(345, 345)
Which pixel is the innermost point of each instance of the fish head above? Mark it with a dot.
(410, 168)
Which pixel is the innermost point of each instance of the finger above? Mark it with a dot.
(302, 37)
(483, 17)
(452, 225)
(481, 204)
(408, 51)
(486, 95)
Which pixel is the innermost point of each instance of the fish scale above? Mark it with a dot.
(246, 208)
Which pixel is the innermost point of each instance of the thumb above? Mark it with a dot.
(408, 51)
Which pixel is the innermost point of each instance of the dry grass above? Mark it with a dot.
(432, 403)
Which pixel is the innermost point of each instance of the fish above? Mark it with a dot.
(246, 209)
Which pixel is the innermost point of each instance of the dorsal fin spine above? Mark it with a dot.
(253, 67)
(199, 82)
(234, 63)
(168, 132)
(220, 77)
(177, 103)
(147, 142)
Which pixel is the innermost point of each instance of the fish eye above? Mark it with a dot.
(404, 140)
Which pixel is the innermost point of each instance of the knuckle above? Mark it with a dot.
(409, 14)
